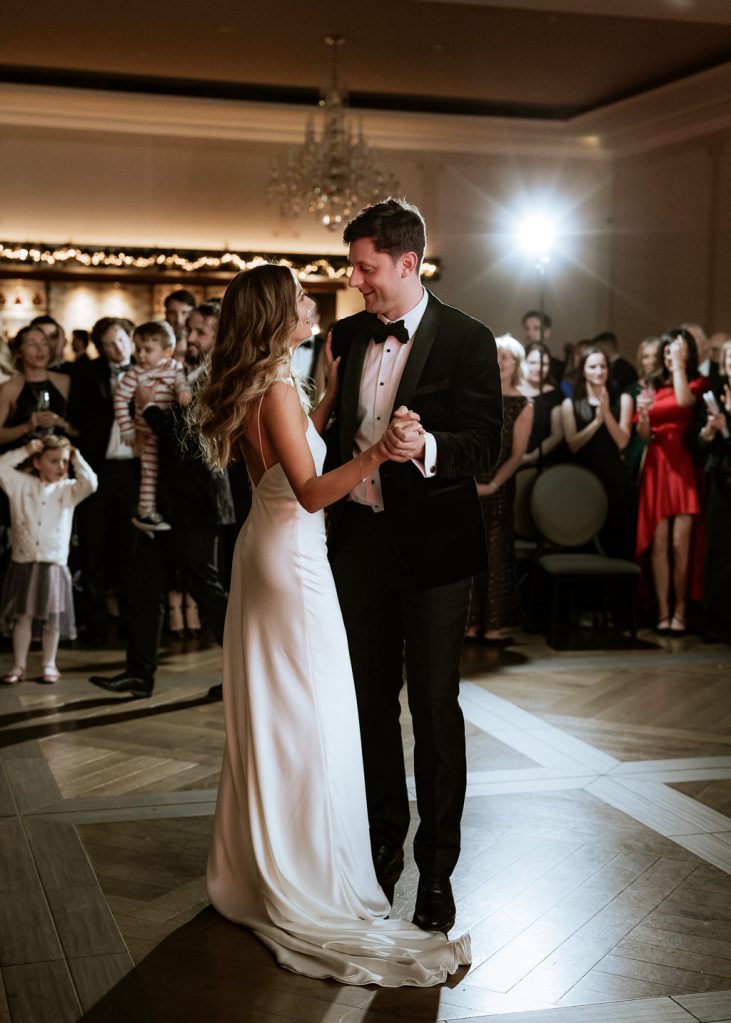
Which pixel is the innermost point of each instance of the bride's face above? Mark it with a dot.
(305, 308)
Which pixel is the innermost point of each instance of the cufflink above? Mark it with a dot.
(433, 468)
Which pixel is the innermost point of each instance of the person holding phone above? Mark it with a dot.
(668, 501)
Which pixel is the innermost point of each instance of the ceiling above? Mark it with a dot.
(550, 59)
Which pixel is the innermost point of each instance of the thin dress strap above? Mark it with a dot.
(258, 427)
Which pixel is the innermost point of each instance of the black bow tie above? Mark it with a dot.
(117, 369)
(380, 330)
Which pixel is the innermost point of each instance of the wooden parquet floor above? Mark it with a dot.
(595, 878)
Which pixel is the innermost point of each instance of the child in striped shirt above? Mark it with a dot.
(156, 379)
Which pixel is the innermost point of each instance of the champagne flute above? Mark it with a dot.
(43, 404)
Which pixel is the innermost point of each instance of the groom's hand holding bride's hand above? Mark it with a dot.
(404, 438)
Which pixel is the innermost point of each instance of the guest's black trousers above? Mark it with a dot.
(195, 552)
(392, 624)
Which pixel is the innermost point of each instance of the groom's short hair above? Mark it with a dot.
(396, 226)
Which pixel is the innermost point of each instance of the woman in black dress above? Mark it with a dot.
(546, 432)
(715, 440)
(597, 430)
(33, 402)
(495, 600)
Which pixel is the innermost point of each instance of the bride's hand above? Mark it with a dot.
(390, 447)
(331, 367)
(403, 441)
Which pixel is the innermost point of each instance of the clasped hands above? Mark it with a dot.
(603, 408)
(404, 438)
(716, 421)
(35, 447)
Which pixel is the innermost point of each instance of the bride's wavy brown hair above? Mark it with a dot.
(251, 350)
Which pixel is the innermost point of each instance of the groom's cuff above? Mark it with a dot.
(427, 465)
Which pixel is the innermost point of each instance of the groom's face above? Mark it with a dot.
(381, 280)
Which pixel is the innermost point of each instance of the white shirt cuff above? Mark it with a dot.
(428, 465)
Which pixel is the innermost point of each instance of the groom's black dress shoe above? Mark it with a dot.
(388, 863)
(435, 909)
(124, 683)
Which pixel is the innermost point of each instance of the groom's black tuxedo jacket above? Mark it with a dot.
(451, 379)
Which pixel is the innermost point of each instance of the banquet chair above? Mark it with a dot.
(523, 524)
(524, 528)
(569, 506)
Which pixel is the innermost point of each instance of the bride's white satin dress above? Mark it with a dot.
(290, 856)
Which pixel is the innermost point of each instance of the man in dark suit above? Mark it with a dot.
(197, 502)
(405, 543)
(621, 371)
(107, 537)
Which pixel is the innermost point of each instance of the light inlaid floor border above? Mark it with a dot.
(639, 789)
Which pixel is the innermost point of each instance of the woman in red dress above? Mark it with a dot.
(669, 501)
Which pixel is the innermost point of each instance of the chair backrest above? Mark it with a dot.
(523, 523)
(569, 505)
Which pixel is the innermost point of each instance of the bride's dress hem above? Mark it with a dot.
(428, 967)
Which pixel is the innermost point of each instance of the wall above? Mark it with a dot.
(107, 188)
(643, 189)
(671, 258)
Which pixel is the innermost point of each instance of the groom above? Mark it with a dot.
(406, 541)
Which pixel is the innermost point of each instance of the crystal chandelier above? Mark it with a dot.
(334, 175)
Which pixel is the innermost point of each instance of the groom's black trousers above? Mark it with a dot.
(391, 623)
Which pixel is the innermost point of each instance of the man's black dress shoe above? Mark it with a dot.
(123, 683)
(388, 863)
(435, 909)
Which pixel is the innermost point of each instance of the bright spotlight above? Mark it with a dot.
(536, 235)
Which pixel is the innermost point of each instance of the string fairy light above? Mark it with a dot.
(330, 268)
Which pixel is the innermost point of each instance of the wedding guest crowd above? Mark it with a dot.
(119, 572)
(658, 437)
(656, 434)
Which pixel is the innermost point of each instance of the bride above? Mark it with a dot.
(290, 856)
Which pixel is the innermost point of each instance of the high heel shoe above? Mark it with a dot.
(192, 619)
(663, 626)
(677, 626)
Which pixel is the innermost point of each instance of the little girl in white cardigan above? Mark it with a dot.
(37, 586)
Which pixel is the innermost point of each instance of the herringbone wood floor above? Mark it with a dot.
(594, 878)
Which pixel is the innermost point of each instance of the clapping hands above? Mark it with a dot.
(715, 421)
(404, 438)
(603, 410)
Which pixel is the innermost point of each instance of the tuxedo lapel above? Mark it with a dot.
(420, 348)
(350, 389)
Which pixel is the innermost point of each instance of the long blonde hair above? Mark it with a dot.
(251, 351)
